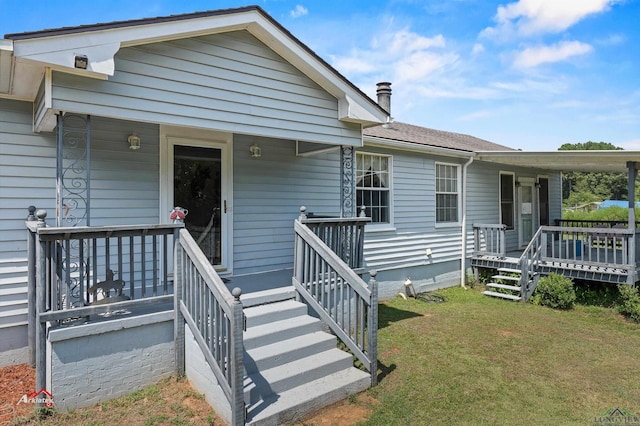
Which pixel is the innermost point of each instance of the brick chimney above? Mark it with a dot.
(384, 96)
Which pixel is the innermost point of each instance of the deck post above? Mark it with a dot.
(372, 328)
(503, 243)
(41, 305)
(31, 284)
(237, 365)
(178, 288)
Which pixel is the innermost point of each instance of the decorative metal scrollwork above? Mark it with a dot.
(73, 201)
(346, 170)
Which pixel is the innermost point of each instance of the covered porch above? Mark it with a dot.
(604, 251)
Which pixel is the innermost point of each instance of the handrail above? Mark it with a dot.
(489, 240)
(342, 299)
(70, 267)
(214, 316)
(528, 263)
(344, 236)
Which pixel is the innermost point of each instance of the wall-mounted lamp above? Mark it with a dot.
(134, 141)
(81, 62)
(256, 151)
(537, 184)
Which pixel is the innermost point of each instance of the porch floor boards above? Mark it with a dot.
(260, 281)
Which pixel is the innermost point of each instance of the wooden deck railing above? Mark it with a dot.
(214, 316)
(347, 304)
(605, 247)
(344, 236)
(489, 240)
(579, 223)
(72, 275)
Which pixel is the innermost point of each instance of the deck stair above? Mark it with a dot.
(292, 366)
(507, 284)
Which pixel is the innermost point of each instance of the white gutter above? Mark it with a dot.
(463, 254)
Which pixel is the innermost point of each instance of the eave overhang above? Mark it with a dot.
(566, 161)
(57, 49)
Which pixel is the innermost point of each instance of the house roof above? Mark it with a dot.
(410, 134)
(415, 138)
(24, 56)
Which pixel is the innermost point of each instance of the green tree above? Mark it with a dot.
(581, 188)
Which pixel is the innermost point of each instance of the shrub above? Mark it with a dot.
(555, 291)
(595, 293)
(629, 304)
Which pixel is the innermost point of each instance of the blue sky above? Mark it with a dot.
(530, 74)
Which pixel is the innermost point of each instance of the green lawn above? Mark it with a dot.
(478, 360)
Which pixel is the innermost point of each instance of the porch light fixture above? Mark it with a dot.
(81, 62)
(134, 141)
(256, 151)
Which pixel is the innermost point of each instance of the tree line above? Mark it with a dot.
(579, 188)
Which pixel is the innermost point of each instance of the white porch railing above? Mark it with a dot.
(342, 299)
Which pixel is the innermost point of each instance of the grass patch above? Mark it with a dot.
(478, 360)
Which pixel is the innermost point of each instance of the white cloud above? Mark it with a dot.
(399, 56)
(528, 17)
(353, 64)
(534, 56)
(477, 49)
(299, 11)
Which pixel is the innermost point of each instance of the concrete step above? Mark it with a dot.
(263, 314)
(265, 383)
(269, 356)
(501, 295)
(293, 404)
(504, 286)
(278, 331)
(268, 296)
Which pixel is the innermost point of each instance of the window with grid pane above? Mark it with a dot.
(372, 186)
(447, 196)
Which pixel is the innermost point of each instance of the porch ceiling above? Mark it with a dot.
(583, 161)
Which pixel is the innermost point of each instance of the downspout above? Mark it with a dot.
(463, 254)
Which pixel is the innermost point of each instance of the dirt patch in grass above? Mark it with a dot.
(169, 402)
(349, 412)
(15, 381)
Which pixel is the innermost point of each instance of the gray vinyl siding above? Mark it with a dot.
(414, 227)
(27, 177)
(125, 187)
(268, 192)
(228, 82)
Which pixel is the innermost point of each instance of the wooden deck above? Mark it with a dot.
(593, 254)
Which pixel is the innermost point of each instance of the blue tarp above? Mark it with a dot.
(616, 203)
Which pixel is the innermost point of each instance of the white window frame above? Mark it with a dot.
(513, 199)
(457, 193)
(378, 226)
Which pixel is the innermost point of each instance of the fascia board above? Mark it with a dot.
(6, 65)
(413, 147)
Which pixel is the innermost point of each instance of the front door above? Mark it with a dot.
(525, 212)
(199, 179)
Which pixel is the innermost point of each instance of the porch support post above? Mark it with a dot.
(347, 192)
(41, 306)
(178, 289)
(631, 179)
